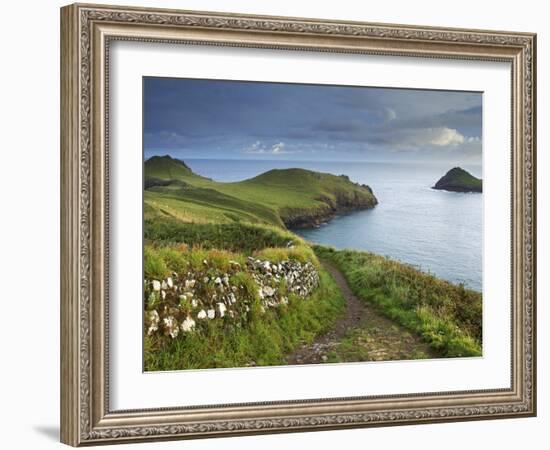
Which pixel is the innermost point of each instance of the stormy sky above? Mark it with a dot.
(189, 118)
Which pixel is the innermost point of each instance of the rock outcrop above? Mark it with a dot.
(459, 180)
(343, 202)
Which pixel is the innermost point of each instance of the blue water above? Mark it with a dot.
(439, 232)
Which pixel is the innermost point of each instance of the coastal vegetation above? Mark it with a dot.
(228, 284)
(287, 197)
(447, 316)
(459, 180)
(194, 328)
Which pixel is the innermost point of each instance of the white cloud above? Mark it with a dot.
(443, 137)
(278, 148)
(256, 146)
(167, 139)
(261, 148)
(426, 137)
(390, 114)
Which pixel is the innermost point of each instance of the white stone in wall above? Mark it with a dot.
(171, 326)
(268, 291)
(153, 319)
(187, 325)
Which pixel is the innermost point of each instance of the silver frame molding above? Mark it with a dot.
(86, 33)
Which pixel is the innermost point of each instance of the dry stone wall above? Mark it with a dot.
(181, 302)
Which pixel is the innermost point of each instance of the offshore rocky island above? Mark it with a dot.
(459, 180)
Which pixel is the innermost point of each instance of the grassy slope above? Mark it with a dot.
(274, 197)
(248, 218)
(447, 316)
(189, 218)
(166, 168)
(236, 237)
(265, 339)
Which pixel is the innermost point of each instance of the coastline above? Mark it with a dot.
(314, 219)
(390, 258)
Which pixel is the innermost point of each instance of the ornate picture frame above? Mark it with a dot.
(87, 31)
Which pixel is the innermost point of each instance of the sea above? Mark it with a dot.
(436, 231)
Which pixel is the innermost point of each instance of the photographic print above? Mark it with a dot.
(289, 202)
(289, 224)
(292, 203)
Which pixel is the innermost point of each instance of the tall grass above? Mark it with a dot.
(238, 237)
(264, 338)
(447, 316)
(301, 253)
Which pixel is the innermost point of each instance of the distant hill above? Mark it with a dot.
(459, 180)
(166, 168)
(281, 197)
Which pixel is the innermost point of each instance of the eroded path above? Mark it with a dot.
(363, 334)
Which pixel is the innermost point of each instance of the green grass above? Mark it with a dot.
(237, 237)
(166, 168)
(209, 205)
(447, 316)
(276, 197)
(301, 252)
(189, 219)
(262, 339)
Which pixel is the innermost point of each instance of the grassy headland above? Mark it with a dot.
(286, 197)
(199, 232)
(199, 228)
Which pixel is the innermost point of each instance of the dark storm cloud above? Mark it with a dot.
(467, 120)
(227, 119)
